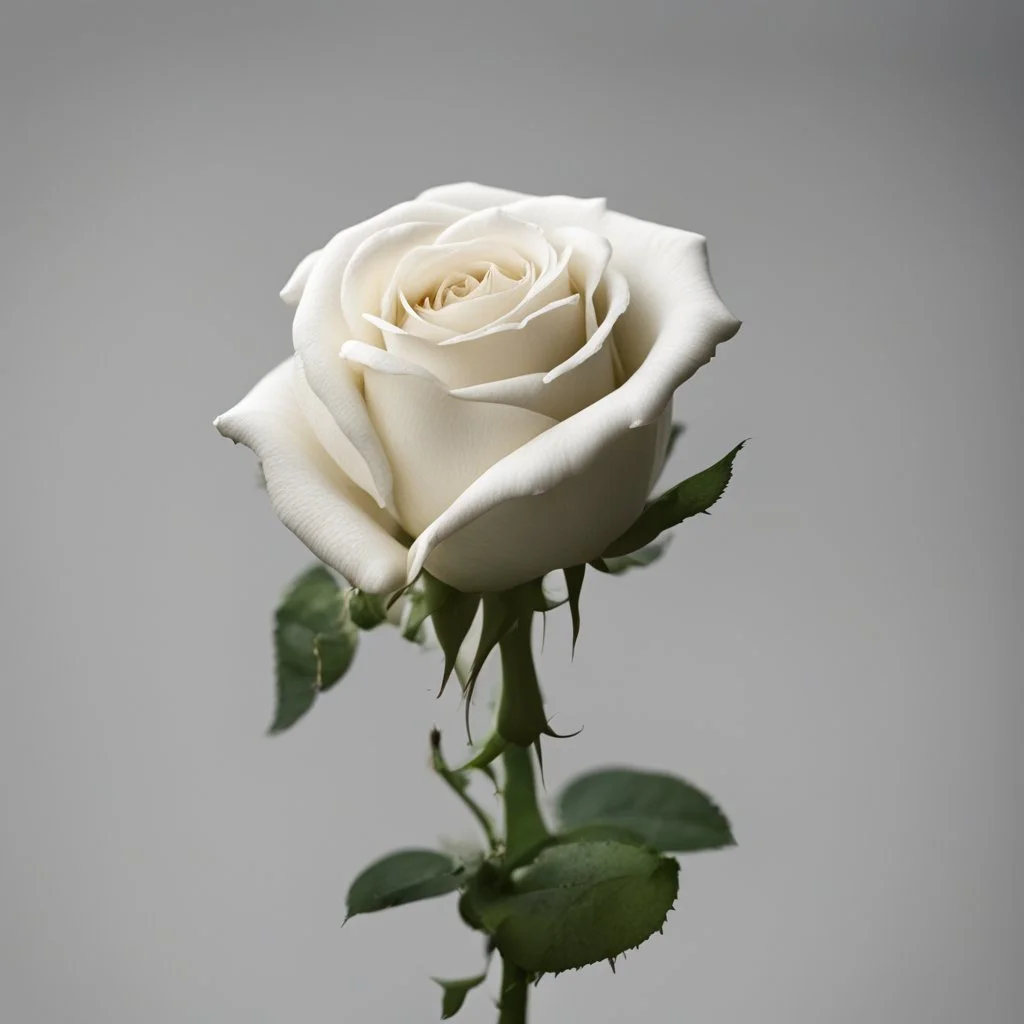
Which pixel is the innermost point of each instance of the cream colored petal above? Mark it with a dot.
(368, 273)
(337, 445)
(543, 340)
(548, 212)
(584, 377)
(527, 535)
(679, 323)
(590, 255)
(673, 298)
(320, 329)
(292, 291)
(309, 492)
(437, 444)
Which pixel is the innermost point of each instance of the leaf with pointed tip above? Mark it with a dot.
(452, 620)
(574, 581)
(314, 644)
(581, 903)
(689, 498)
(455, 993)
(404, 876)
(619, 564)
(367, 611)
(667, 813)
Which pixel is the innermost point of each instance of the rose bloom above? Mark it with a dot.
(481, 385)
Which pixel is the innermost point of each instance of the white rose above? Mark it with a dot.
(482, 384)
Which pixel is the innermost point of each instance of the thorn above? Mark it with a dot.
(548, 731)
(540, 761)
(611, 963)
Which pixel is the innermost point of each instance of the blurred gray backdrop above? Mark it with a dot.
(834, 653)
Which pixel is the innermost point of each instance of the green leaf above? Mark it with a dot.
(574, 581)
(367, 611)
(667, 813)
(403, 877)
(692, 496)
(619, 564)
(455, 993)
(581, 903)
(314, 644)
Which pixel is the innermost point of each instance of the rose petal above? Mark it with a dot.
(681, 321)
(437, 445)
(548, 212)
(524, 537)
(292, 291)
(493, 300)
(583, 378)
(589, 260)
(320, 329)
(370, 270)
(309, 492)
(421, 269)
(337, 445)
(672, 296)
(544, 339)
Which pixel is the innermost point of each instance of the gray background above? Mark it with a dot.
(834, 653)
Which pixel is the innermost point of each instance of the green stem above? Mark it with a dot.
(524, 826)
(459, 784)
(515, 991)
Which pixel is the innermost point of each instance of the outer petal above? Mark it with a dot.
(437, 445)
(319, 330)
(524, 537)
(677, 319)
(337, 445)
(292, 291)
(549, 212)
(311, 495)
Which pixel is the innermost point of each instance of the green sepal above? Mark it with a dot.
(666, 812)
(452, 619)
(424, 600)
(689, 498)
(405, 876)
(314, 644)
(673, 439)
(618, 564)
(455, 992)
(574, 582)
(581, 903)
(367, 611)
(499, 618)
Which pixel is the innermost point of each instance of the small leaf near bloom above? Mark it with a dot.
(692, 496)
(314, 644)
(667, 813)
(404, 876)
